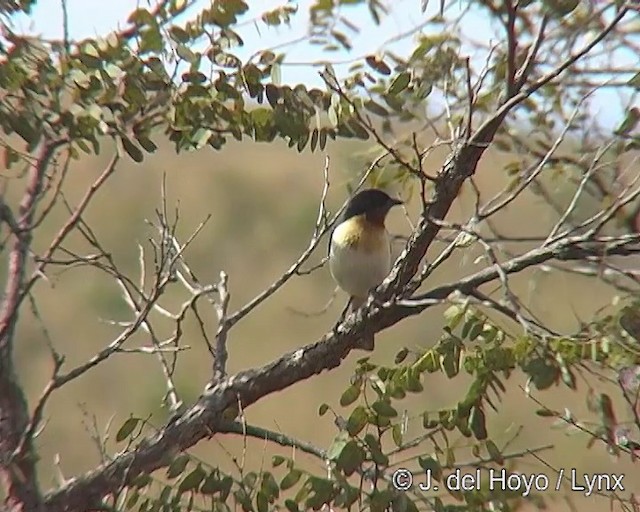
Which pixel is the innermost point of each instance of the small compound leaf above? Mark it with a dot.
(147, 144)
(384, 409)
(277, 460)
(378, 64)
(561, 7)
(396, 434)
(376, 108)
(126, 429)
(350, 395)
(400, 83)
(336, 447)
(132, 150)
(351, 458)
(178, 466)
(629, 122)
(357, 421)
(494, 452)
(478, 423)
(193, 480)
(290, 479)
(432, 466)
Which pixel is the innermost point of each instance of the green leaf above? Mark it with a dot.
(315, 135)
(141, 17)
(356, 128)
(376, 108)
(323, 138)
(273, 94)
(432, 466)
(178, 465)
(211, 484)
(413, 381)
(164, 495)
(23, 128)
(322, 410)
(126, 429)
(400, 83)
(428, 362)
(396, 434)
(321, 492)
(290, 479)
(146, 143)
(384, 409)
(350, 395)
(401, 355)
(351, 458)
(337, 446)
(333, 116)
(477, 423)
(376, 450)
(11, 156)
(132, 150)
(133, 499)
(201, 137)
(378, 65)
(451, 363)
(380, 501)
(262, 502)
(291, 505)
(194, 77)
(630, 122)
(453, 315)
(225, 485)
(475, 330)
(543, 374)
(225, 12)
(494, 452)
(178, 34)
(177, 6)
(561, 7)
(185, 53)
(192, 480)
(568, 377)
(276, 75)
(269, 486)
(421, 50)
(141, 481)
(243, 499)
(90, 57)
(357, 421)
(277, 460)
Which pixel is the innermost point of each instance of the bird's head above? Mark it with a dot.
(372, 203)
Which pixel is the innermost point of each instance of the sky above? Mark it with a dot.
(88, 18)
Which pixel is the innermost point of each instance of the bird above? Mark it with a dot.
(360, 249)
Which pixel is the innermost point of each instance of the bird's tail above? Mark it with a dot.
(366, 341)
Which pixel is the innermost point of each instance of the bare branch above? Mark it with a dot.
(17, 470)
(220, 349)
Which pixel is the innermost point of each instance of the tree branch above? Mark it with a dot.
(18, 474)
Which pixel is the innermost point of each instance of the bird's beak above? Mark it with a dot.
(395, 202)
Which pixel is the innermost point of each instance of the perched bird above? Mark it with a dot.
(360, 248)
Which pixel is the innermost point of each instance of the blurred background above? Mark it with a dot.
(263, 201)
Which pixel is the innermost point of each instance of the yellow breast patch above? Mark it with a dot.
(358, 233)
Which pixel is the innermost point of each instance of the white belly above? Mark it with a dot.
(358, 272)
